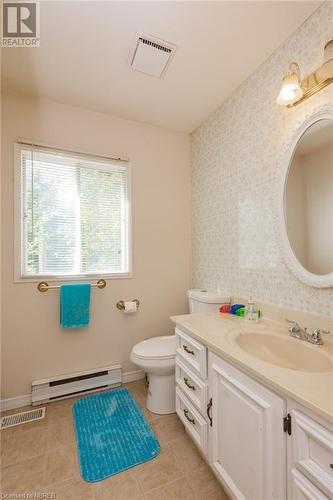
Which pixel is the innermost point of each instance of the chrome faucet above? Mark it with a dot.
(298, 332)
(316, 336)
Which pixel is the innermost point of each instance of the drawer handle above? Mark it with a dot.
(186, 382)
(209, 406)
(188, 418)
(188, 350)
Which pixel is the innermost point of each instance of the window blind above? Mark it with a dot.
(75, 216)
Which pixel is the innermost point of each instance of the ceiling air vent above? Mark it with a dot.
(151, 56)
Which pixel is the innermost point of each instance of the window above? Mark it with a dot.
(74, 214)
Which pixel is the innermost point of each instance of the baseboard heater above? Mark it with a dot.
(73, 384)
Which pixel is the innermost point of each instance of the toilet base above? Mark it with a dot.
(161, 397)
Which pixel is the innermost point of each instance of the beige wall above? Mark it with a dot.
(34, 345)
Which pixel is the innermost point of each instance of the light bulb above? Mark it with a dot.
(291, 90)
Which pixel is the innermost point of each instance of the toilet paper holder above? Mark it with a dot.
(121, 304)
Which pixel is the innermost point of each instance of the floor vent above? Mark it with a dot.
(73, 384)
(21, 418)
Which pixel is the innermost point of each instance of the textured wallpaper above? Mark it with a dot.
(235, 157)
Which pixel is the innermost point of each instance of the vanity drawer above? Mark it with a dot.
(195, 389)
(193, 421)
(303, 489)
(193, 352)
(313, 451)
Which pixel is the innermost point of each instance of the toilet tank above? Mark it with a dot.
(204, 301)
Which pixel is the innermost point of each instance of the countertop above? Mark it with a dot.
(218, 332)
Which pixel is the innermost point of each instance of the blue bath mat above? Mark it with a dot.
(112, 434)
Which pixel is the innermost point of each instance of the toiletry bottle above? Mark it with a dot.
(251, 314)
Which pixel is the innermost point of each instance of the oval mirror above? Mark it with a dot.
(308, 199)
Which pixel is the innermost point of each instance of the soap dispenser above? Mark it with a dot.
(251, 314)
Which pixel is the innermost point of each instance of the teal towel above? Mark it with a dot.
(74, 304)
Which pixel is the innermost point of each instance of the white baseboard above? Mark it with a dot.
(18, 402)
(132, 376)
(25, 400)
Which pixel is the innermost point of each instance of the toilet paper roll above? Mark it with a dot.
(130, 307)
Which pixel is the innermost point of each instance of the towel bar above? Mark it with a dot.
(43, 286)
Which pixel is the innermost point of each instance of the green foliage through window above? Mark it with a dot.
(75, 214)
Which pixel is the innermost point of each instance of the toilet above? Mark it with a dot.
(205, 301)
(156, 355)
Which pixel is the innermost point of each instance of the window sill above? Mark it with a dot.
(80, 277)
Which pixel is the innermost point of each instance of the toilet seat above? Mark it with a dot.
(156, 348)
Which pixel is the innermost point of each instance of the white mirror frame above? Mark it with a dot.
(314, 280)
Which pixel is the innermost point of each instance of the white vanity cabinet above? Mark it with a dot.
(192, 387)
(260, 444)
(247, 441)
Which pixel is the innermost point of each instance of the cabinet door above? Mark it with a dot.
(312, 450)
(247, 441)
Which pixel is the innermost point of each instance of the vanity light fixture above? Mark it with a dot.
(294, 90)
(291, 90)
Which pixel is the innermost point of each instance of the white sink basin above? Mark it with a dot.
(284, 352)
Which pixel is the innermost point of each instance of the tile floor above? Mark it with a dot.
(41, 457)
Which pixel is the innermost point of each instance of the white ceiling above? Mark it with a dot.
(84, 49)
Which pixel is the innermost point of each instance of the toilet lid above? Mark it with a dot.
(156, 348)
